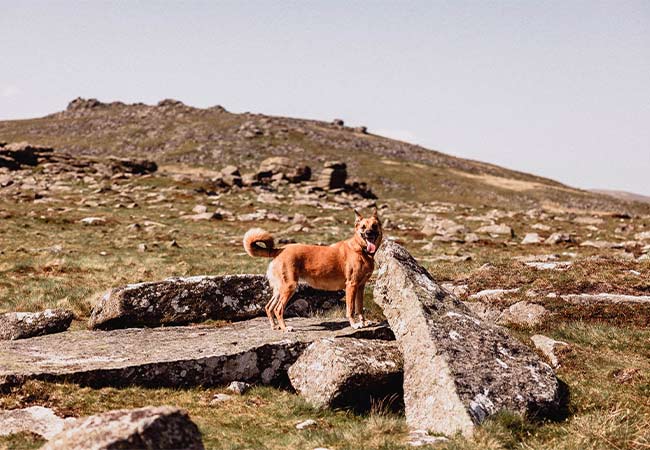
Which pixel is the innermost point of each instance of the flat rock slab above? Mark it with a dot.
(149, 428)
(346, 372)
(21, 325)
(180, 301)
(35, 419)
(175, 356)
(595, 299)
(458, 370)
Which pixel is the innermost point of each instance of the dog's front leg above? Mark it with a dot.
(351, 290)
(358, 304)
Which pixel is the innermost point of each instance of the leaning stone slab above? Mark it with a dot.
(171, 356)
(150, 428)
(458, 370)
(347, 372)
(35, 419)
(179, 301)
(21, 325)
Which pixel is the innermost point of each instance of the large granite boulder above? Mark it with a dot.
(21, 325)
(150, 428)
(346, 372)
(35, 419)
(458, 370)
(198, 355)
(178, 301)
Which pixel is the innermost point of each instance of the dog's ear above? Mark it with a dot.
(375, 213)
(357, 216)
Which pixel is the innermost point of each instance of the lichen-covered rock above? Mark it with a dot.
(346, 372)
(35, 419)
(458, 370)
(246, 351)
(523, 314)
(177, 301)
(286, 168)
(149, 428)
(22, 325)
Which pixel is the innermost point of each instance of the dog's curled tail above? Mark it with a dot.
(252, 247)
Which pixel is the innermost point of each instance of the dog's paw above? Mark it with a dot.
(369, 323)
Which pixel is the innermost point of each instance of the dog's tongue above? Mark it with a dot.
(370, 247)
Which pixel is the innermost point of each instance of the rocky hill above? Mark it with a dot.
(173, 134)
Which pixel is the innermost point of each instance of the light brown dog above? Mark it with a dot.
(344, 265)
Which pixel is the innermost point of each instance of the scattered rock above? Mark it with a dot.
(200, 209)
(500, 229)
(590, 299)
(309, 423)
(557, 238)
(419, 438)
(626, 374)
(458, 370)
(523, 314)
(172, 356)
(218, 398)
(239, 387)
(548, 346)
(35, 419)
(203, 216)
(22, 325)
(493, 294)
(177, 301)
(559, 265)
(150, 428)
(643, 236)
(531, 238)
(587, 220)
(347, 372)
(93, 221)
(601, 244)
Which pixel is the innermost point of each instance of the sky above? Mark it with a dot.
(555, 88)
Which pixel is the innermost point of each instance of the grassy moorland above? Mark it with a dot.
(49, 259)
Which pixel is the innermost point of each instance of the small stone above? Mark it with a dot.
(557, 238)
(524, 314)
(306, 424)
(547, 346)
(500, 229)
(238, 387)
(199, 209)
(93, 221)
(218, 398)
(142, 248)
(173, 244)
(531, 238)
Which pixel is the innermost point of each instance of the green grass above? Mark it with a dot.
(48, 259)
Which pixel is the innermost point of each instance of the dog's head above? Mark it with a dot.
(368, 231)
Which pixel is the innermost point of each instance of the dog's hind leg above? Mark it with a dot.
(269, 308)
(286, 292)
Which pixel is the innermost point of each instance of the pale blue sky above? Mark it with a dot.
(556, 88)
